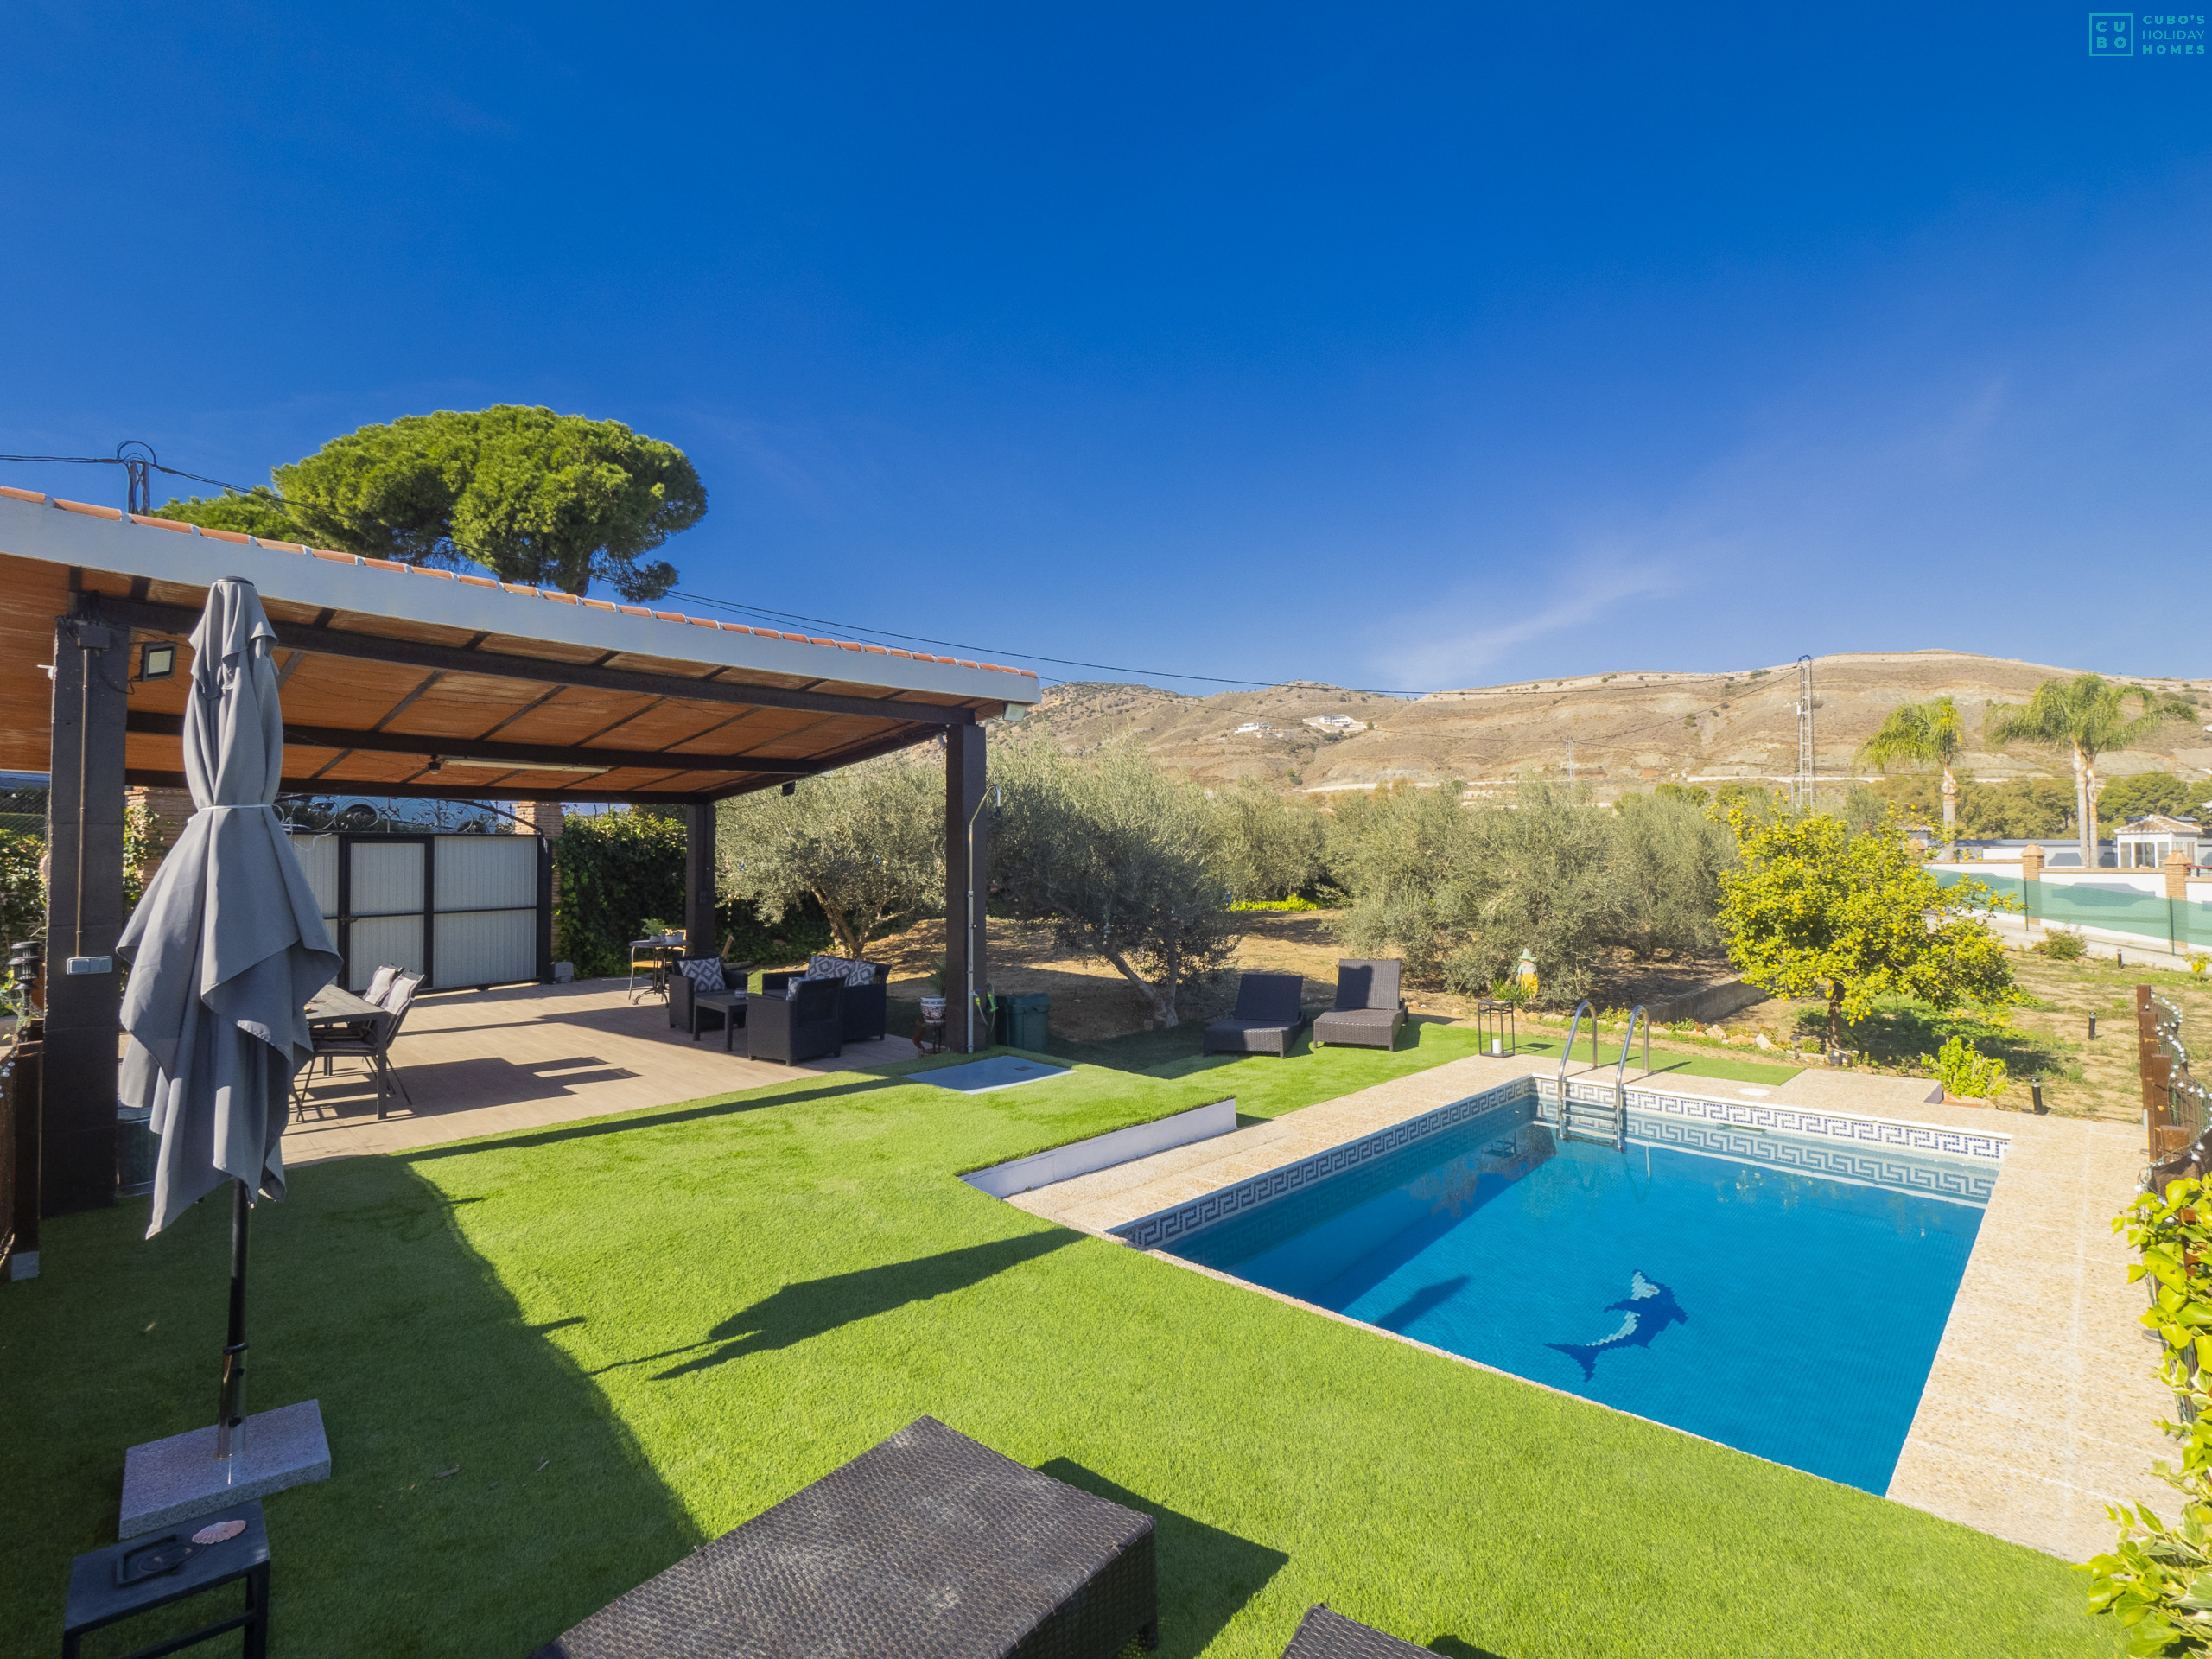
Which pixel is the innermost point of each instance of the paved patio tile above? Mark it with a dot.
(530, 1056)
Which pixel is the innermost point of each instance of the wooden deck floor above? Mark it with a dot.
(489, 1062)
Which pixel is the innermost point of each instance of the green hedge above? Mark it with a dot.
(611, 873)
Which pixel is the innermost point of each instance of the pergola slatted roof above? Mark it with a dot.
(404, 682)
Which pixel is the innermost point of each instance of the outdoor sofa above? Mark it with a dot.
(693, 975)
(802, 1021)
(867, 992)
(1268, 1018)
(928, 1543)
(1368, 1009)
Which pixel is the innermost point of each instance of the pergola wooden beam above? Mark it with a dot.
(459, 749)
(180, 620)
(139, 778)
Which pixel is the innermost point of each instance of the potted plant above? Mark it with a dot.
(933, 1004)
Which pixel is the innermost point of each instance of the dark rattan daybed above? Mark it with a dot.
(1268, 1018)
(929, 1545)
(1368, 1012)
(1324, 1635)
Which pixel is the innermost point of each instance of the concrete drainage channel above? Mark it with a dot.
(1104, 1151)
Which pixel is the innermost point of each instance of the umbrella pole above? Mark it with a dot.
(229, 1421)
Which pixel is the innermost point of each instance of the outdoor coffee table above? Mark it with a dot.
(96, 1600)
(929, 1546)
(732, 1003)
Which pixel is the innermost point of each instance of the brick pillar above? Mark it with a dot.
(2032, 863)
(2175, 868)
(542, 817)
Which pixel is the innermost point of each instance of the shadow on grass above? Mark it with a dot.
(366, 1296)
(848, 1083)
(1453, 1647)
(1206, 1575)
(815, 1306)
(1901, 1032)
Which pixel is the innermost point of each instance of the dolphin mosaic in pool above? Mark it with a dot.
(1639, 1325)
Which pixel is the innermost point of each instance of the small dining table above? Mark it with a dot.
(334, 1005)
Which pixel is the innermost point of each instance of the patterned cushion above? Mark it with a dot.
(853, 973)
(705, 973)
(380, 985)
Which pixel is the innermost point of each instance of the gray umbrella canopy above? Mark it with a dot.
(228, 944)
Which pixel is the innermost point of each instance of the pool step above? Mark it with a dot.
(1592, 1120)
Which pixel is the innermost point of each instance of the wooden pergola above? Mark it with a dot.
(411, 682)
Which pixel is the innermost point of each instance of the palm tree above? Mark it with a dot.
(2083, 718)
(1922, 734)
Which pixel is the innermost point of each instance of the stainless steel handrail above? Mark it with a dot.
(1567, 1052)
(1620, 1074)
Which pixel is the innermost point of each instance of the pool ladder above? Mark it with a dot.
(1619, 1127)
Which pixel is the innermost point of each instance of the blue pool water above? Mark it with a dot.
(1789, 1315)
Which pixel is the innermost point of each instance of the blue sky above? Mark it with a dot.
(1401, 347)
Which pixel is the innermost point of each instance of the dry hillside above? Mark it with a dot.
(1629, 730)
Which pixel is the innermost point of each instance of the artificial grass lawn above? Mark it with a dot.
(1267, 1087)
(552, 1363)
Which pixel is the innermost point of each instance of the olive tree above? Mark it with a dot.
(1119, 857)
(866, 841)
(1268, 848)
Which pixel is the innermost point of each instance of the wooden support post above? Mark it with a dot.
(84, 916)
(967, 866)
(702, 935)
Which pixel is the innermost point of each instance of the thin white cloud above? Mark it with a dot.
(1459, 658)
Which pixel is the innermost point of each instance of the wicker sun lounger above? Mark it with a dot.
(1324, 1635)
(1368, 1012)
(929, 1545)
(1268, 1018)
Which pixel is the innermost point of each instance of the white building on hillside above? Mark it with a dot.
(2146, 843)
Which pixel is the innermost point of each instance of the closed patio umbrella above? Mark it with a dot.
(225, 948)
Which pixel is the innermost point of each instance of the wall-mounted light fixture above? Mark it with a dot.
(156, 662)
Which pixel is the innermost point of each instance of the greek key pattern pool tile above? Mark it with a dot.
(1163, 1227)
(1785, 1120)
(1968, 1183)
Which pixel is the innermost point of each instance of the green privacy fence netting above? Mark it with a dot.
(2180, 924)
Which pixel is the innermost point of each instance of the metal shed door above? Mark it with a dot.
(467, 910)
(386, 906)
(485, 924)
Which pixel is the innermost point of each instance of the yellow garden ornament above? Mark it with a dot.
(1526, 973)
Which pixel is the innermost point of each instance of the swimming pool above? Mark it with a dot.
(1713, 1287)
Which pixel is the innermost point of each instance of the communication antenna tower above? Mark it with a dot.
(1803, 790)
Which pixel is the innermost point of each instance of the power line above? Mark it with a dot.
(992, 651)
(824, 622)
(133, 460)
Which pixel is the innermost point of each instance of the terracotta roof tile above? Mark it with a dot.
(239, 540)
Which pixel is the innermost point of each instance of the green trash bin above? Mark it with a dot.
(1021, 1021)
(137, 1149)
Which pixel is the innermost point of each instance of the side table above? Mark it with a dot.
(929, 1036)
(95, 1600)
